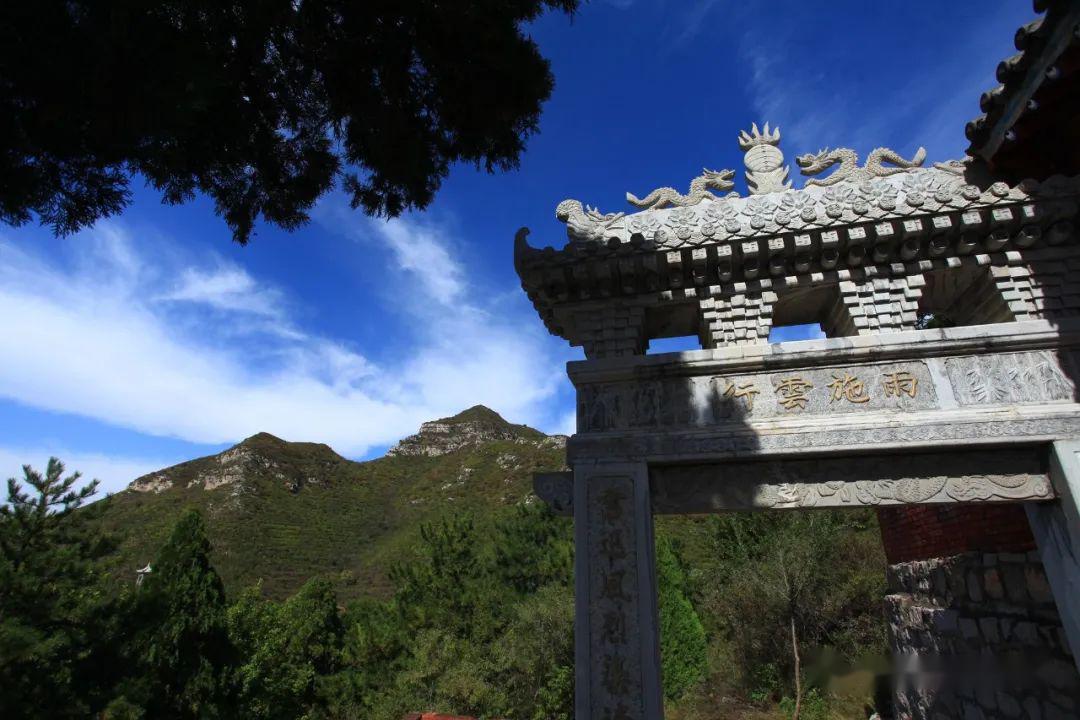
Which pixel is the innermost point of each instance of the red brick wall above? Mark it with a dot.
(919, 532)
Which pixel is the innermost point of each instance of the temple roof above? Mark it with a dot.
(682, 260)
(1029, 125)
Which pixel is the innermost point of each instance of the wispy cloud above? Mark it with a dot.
(830, 101)
(689, 20)
(226, 287)
(419, 248)
(92, 338)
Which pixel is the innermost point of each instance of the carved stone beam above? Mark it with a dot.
(1017, 475)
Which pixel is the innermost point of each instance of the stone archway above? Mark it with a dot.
(880, 414)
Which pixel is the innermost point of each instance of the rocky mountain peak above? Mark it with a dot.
(478, 424)
(262, 455)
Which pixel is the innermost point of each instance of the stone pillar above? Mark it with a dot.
(613, 330)
(1056, 526)
(877, 305)
(617, 643)
(739, 319)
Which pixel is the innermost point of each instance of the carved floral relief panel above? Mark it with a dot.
(1008, 378)
(881, 480)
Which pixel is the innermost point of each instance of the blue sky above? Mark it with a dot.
(153, 339)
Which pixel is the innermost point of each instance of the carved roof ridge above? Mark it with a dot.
(947, 187)
(767, 180)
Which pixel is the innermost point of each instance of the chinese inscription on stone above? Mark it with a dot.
(745, 391)
(791, 393)
(848, 387)
(895, 383)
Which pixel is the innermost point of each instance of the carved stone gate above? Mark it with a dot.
(884, 411)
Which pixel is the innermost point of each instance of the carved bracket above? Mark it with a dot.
(557, 490)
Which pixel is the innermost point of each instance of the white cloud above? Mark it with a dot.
(567, 425)
(91, 339)
(227, 288)
(114, 472)
(419, 250)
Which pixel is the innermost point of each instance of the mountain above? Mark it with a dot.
(280, 512)
(476, 425)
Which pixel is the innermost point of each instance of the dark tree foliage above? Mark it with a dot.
(50, 613)
(180, 652)
(260, 104)
(535, 549)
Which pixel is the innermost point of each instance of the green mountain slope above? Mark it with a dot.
(280, 512)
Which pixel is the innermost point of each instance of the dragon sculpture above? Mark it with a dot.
(584, 222)
(816, 163)
(699, 190)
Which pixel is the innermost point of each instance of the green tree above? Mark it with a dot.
(451, 586)
(683, 649)
(289, 651)
(535, 657)
(260, 104)
(376, 649)
(52, 609)
(784, 588)
(472, 627)
(535, 547)
(181, 655)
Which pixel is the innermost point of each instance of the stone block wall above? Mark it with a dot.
(978, 636)
(1052, 289)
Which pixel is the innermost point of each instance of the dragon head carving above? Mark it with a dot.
(567, 209)
(814, 163)
(718, 179)
(584, 222)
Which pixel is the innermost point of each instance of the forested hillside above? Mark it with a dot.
(282, 512)
(289, 582)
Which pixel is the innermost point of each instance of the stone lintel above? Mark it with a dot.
(993, 474)
(988, 475)
(995, 384)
